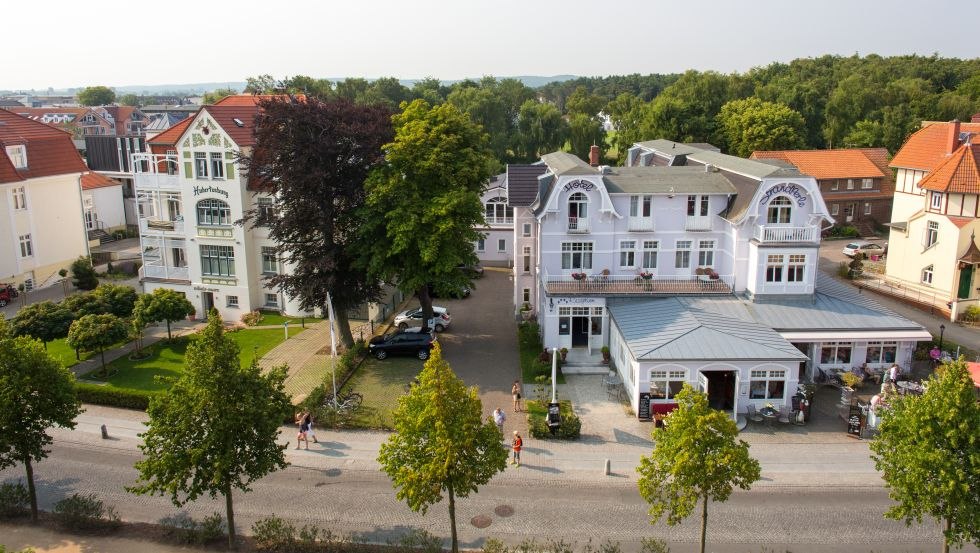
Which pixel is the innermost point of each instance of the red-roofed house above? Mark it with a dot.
(932, 242)
(41, 219)
(856, 183)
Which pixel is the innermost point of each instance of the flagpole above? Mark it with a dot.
(333, 349)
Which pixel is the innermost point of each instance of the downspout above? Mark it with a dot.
(81, 207)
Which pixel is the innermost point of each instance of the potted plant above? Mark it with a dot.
(712, 274)
(525, 311)
(605, 354)
(192, 316)
(851, 380)
(578, 276)
(646, 275)
(564, 353)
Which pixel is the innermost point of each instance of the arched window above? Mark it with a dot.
(780, 210)
(498, 212)
(578, 211)
(213, 212)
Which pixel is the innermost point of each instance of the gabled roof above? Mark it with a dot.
(92, 180)
(522, 183)
(7, 171)
(666, 330)
(170, 136)
(666, 180)
(926, 148)
(829, 164)
(958, 173)
(243, 100)
(50, 151)
(564, 163)
(236, 120)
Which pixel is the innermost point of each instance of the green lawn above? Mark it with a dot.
(269, 318)
(66, 356)
(167, 358)
(382, 383)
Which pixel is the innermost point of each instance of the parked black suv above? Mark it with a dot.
(410, 341)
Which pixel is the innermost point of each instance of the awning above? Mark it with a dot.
(972, 254)
(857, 335)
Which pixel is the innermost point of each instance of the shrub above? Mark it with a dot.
(570, 428)
(14, 500)
(185, 529)
(851, 380)
(113, 397)
(83, 274)
(251, 318)
(274, 534)
(843, 270)
(85, 512)
(653, 545)
(971, 314)
(421, 540)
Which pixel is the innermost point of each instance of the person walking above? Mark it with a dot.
(309, 428)
(515, 392)
(498, 418)
(516, 444)
(302, 430)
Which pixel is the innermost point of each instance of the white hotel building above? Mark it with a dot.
(693, 267)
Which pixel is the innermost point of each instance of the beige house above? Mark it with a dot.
(41, 221)
(932, 246)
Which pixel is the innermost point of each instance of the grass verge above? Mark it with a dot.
(382, 383)
(530, 347)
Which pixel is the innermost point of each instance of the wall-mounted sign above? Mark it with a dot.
(578, 301)
(579, 184)
(204, 189)
(792, 190)
(206, 289)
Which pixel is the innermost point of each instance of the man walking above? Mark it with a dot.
(516, 445)
(498, 419)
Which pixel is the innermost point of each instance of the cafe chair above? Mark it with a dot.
(784, 415)
(752, 414)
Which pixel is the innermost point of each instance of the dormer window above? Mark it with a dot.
(498, 212)
(578, 212)
(780, 211)
(18, 156)
(936, 200)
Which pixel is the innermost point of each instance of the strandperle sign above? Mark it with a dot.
(198, 190)
(792, 190)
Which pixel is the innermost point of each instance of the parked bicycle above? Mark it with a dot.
(345, 403)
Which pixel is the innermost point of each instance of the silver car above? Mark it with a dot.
(413, 317)
(863, 246)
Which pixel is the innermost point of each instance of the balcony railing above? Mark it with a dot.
(155, 171)
(596, 283)
(499, 220)
(785, 234)
(640, 224)
(698, 223)
(577, 225)
(168, 273)
(150, 225)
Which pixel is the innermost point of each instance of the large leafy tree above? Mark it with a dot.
(119, 299)
(583, 132)
(629, 116)
(36, 393)
(442, 444)
(928, 451)
(44, 320)
(83, 274)
(96, 333)
(313, 157)
(753, 124)
(423, 205)
(167, 305)
(540, 129)
(215, 429)
(96, 96)
(697, 457)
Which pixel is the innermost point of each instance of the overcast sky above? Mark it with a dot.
(70, 43)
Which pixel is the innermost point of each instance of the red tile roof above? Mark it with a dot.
(170, 136)
(960, 222)
(852, 163)
(229, 117)
(7, 171)
(92, 180)
(50, 151)
(926, 148)
(958, 173)
(251, 99)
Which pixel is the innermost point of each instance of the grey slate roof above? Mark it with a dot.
(666, 329)
(669, 147)
(664, 180)
(747, 167)
(564, 163)
(522, 184)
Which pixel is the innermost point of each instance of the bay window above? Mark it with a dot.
(666, 383)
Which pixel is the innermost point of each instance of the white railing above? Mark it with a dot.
(578, 224)
(159, 271)
(785, 234)
(151, 225)
(640, 224)
(594, 282)
(499, 220)
(697, 223)
(152, 171)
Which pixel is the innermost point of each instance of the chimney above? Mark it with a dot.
(594, 156)
(953, 138)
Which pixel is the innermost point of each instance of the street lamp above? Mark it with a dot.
(942, 329)
(554, 375)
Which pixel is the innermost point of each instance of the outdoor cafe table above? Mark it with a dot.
(908, 387)
(770, 415)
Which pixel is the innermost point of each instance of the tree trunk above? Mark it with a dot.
(425, 300)
(343, 328)
(704, 520)
(452, 516)
(947, 526)
(169, 338)
(30, 487)
(230, 515)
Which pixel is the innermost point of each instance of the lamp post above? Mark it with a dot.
(554, 374)
(942, 329)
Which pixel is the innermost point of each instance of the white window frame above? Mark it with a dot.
(501, 245)
(931, 234)
(650, 250)
(497, 212)
(779, 211)
(796, 267)
(867, 208)
(837, 348)
(883, 348)
(576, 255)
(867, 184)
(18, 155)
(936, 200)
(834, 209)
(627, 254)
(231, 301)
(682, 254)
(835, 185)
(26, 245)
(672, 379)
(706, 253)
(271, 300)
(850, 184)
(217, 165)
(481, 245)
(641, 206)
(270, 261)
(201, 165)
(526, 255)
(762, 384)
(526, 229)
(20, 197)
(927, 274)
(526, 295)
(774, 267)
(222, 256)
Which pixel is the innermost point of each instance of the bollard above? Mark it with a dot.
(607, 471)
(105, 432)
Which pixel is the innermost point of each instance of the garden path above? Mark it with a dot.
(153, 334)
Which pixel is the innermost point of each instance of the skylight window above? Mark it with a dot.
(238, 122)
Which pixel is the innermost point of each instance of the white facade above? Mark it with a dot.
(496, 248)
(104, 205)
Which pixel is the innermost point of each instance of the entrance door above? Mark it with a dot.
(849, 212)
(91, 219)
(738, 382)
(207, 302)
(966, 278)
(580, 332)
(702, 383)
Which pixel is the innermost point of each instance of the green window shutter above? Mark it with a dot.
(229, 155)
(188, 170)
(230, 170)
(187, 154)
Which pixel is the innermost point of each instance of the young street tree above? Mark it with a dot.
(96, 333)
(424, 203)
(167, 305)
(442, 443)
(696, 458)
(96, 96)
(215, 430)
(37, 393)
(928, 452)
(119, 299)
(44, 320)
(83, 274)
(313, 156)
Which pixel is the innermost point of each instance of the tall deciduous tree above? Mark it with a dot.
(120, 299)
(697, 457)
(44, 320)
(313, 157)
(928, 451)
(83, 274)
(423, 205)
(583, 132)
(215, 429)
(97, 332)
(541, 129)
(36, 393)
(167, 305)
(96, 96)
(753, 124)
(442, 444)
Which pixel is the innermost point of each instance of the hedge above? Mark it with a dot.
(113, 397)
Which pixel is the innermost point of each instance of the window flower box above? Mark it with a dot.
(579, 276)
(646, 276)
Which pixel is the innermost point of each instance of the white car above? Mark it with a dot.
(413, 317)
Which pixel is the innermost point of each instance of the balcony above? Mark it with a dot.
(766, 234)
(640, 224)
(631, 284)
(578, 225)
(698, 223)
(165, 273)
(158, 225)
(498, 221)
(155, 172)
